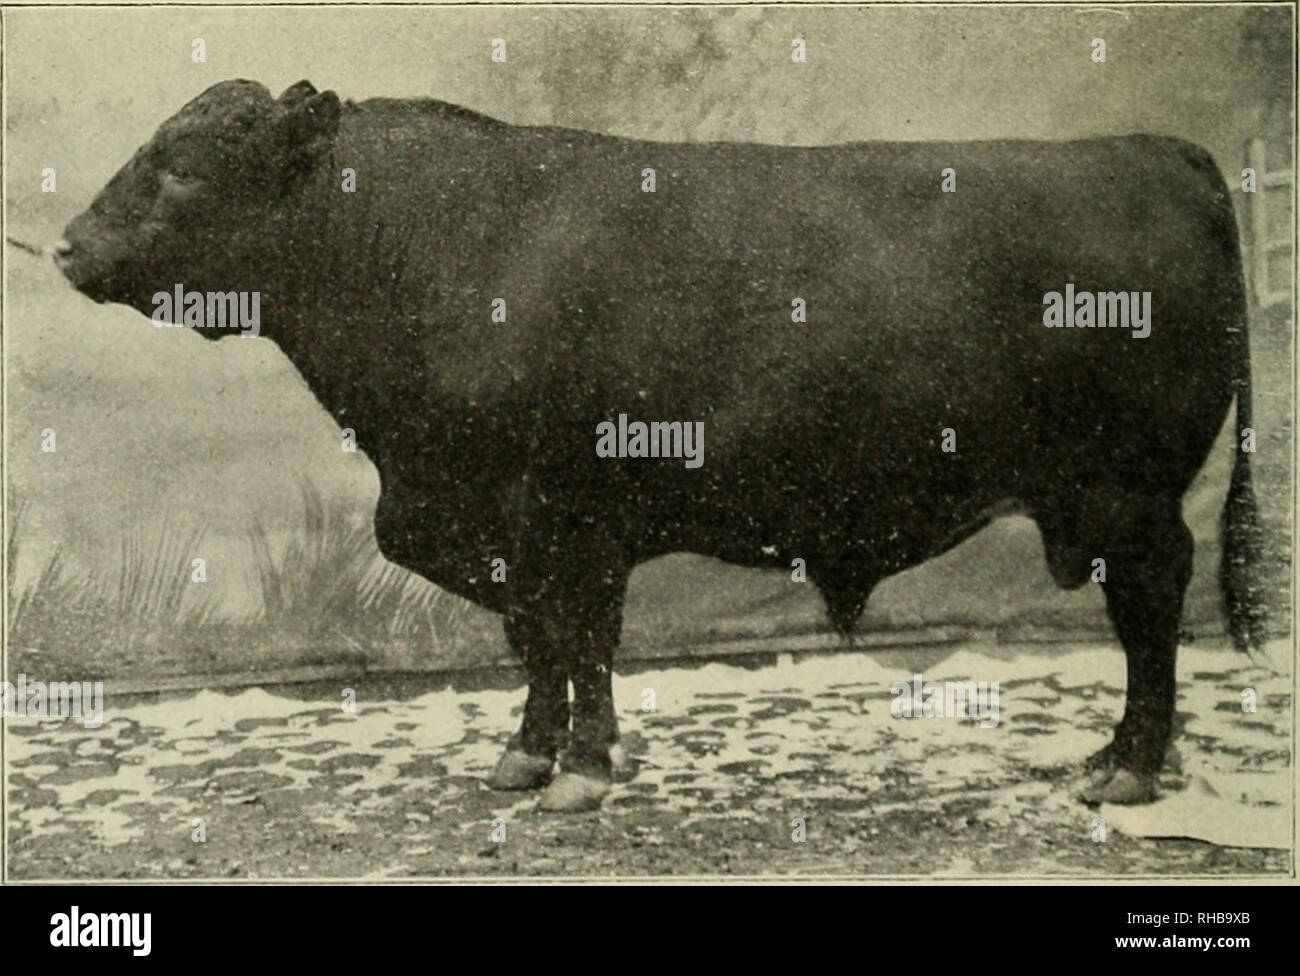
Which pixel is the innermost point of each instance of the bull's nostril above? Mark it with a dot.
(61, 248)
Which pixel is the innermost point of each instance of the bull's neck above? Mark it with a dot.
(345, 259)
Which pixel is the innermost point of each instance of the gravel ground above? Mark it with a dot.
(728, 759)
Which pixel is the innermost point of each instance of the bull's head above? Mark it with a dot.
(203, 194)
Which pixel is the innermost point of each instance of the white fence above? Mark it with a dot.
(1270, 238)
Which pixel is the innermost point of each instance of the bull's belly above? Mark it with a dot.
(453, 545)
(882, 536)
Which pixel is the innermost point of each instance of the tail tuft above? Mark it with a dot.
(1243, 592)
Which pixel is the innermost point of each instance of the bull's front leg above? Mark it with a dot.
(567, 585)
(530, 756)
(588, 622)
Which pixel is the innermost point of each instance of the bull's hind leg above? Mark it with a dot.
(1148, 553)
(530, 756)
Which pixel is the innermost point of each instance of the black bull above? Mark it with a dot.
(824, 440)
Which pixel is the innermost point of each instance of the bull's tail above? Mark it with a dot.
(1240, 532)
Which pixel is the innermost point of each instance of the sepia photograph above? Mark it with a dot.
(640, 443)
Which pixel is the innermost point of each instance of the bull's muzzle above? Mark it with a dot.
(75, 264)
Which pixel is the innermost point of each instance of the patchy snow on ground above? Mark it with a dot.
(723, 744)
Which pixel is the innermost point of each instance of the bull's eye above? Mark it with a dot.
(178, 187)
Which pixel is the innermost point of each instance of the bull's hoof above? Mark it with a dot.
(622, 767)
(519, 770)
(1122, 786)
(573, 793)
(1106, 758)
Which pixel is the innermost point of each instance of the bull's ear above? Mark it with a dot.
(295, 94)
(309, 125)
